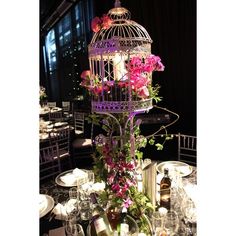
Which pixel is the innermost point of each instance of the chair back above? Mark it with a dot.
(187, 148)
(79, 122)
(61, 137)
(49, 162)
(51, 104)
(66, 106)
(56, 116)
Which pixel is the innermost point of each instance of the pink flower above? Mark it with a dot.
(160, 66)
(85, 74)
(111, 178)
(97, 89)
(96, 24)
(143, 92)
(115, 187)
(152, 59)
(136, 62)
(106, 22)
(148, 68)
(123, 84)
(140, 82)
(127, 203)
(110, 83)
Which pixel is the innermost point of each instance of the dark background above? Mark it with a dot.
(172, 27)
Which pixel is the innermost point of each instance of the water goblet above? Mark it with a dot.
(158, 221)
(73, 193)
(74, 229)
(85, 210)
(171, 222)
(90, 177)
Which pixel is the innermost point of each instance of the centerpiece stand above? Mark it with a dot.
(120, 84)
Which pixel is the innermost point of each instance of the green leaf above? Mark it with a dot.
(159, 146)
(151, 141)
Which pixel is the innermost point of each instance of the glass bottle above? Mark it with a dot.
(124, 224)
(99, 218)
(165, 185)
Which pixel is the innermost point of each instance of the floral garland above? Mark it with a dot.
(114, 165)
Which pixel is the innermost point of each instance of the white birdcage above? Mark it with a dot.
(110, 53)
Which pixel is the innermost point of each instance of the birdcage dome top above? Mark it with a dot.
(123, 35)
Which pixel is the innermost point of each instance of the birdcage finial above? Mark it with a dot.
(117, 3)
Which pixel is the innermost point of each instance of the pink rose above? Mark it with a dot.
(106, 22)
(136, 62)
(148, 68)
(85, 74)
(160, 66)
(152, 59)
(96, 24)
(143, 92)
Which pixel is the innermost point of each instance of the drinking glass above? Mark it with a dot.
(71, 208)
(73, 229)
(85, 210)
(91, 178)
(73, 193)
(172, 222)
(81, 187)
(158, 222)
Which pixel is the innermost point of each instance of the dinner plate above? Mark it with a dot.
(63, 184)
(183, 168)
(58, 124)
(49, 204)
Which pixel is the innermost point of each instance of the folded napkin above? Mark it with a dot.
(70, 178)
(42, 202)
(98, 187)
(61, 211)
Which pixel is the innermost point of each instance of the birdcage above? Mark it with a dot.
(111, 51)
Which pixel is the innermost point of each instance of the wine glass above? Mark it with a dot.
(90, 178)
(158, 221)
(171, 222)
(73, 193)
(85, 210)
(74, 229)
(81, 187)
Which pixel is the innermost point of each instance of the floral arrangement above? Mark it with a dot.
(140, 71)
(117, 168)
(42, 93)
(118, 149)
(101, 23)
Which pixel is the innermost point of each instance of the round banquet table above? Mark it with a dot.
(61, 194)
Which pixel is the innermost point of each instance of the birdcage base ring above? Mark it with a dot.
(122, 106)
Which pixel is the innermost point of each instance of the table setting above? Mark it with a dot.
(47, 127)
(73, 204)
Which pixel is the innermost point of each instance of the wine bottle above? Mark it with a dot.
(165, 185)
(99, 218)
(124, 226)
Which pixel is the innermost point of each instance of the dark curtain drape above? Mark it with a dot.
(172, 27)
